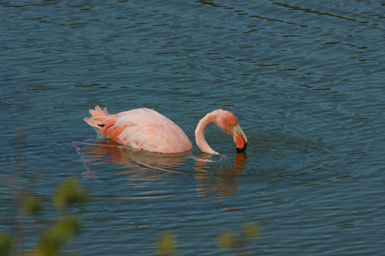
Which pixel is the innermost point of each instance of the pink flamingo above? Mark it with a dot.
(146, 129)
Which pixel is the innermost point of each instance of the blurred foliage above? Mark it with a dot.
(166, 245)
(252, 230)
(69, 193)
(31, 205)
(54, 238)
(238, 243)
(62, 230)
(5, 244)
(227, 240)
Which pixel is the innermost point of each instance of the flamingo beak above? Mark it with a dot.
(240, 139)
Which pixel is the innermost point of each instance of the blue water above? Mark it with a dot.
(304, 78)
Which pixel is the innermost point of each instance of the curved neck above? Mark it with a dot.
(200, 140)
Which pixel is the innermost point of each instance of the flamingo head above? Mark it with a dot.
(229, 124)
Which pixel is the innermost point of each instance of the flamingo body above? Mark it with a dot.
(141, 129)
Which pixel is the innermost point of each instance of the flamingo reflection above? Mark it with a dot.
(133, 164)
(222, 181)
(149, 166)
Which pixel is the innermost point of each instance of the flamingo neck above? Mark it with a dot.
(200, 139)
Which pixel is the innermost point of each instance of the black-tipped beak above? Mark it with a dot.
(240, 150)
(240, 139)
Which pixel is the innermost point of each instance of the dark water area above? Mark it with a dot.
(304, 78)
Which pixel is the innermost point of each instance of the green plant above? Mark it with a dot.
(227, 241)
(62, 230)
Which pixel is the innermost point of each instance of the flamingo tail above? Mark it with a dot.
(100, 119)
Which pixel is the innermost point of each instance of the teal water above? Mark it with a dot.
(304, 78)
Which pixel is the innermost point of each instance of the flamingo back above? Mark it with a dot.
(149, 130)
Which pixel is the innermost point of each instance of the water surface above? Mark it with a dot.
(304, 78)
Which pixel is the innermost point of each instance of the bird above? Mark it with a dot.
(146, 129)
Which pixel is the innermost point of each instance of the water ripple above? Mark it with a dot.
(305, 80)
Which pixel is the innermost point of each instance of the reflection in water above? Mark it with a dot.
(222, 181)
(139, 166)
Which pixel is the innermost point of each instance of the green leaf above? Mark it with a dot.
(69, 193)
(225, 240)
(53, 239)
(31, 205)
(166, 244)
(252, 230)
(5, 244)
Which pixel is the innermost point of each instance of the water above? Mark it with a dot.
(304, 78)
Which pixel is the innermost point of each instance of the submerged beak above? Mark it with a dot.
(240, 138)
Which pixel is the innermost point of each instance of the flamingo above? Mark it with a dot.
(146, 129)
